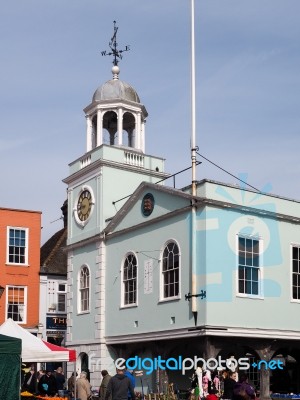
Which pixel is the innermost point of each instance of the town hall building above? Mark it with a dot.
(154, 271)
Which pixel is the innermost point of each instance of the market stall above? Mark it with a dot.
(35, 349)
(10, 367)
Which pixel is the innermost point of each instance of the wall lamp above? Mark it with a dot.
(1, 291)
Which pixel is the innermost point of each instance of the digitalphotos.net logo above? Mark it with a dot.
(186, 364)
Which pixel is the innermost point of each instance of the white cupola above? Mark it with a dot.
(116, 117)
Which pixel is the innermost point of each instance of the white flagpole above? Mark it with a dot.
(193, 156)
(193, 98)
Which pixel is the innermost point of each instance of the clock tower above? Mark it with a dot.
(114, 164)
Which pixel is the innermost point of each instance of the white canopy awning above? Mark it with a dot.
(35, 349)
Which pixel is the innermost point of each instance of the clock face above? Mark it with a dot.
(84, 205)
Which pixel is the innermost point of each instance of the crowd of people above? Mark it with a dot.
(224, 384)
(44, 382)
(50, 383)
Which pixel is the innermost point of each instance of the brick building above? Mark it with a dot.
(20, 237)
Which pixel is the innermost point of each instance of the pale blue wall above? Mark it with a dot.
(83, 327)
(217, 230)
(151, 314)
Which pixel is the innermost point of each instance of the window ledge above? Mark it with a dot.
(16, 265)
(128, 306)
(295, 301)
(249, 296)
(164, 300)
(83, 312)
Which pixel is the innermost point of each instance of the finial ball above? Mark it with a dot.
(115, 70)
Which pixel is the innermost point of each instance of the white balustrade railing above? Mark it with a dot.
(134, 158)
(85, 161)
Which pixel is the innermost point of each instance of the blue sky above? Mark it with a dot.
(247, 76)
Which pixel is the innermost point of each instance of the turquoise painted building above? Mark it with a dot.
(156, 272)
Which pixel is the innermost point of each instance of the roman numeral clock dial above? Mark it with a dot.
(84, 205)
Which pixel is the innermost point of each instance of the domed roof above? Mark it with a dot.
(116, 89)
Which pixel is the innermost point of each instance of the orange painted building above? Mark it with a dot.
(20, 241)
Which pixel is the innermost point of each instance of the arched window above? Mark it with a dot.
(130, 279)
(84, 289)
(94, 131)
(170, 270)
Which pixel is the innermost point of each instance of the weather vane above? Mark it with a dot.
(113, 46)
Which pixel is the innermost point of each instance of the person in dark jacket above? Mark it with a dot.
(30, 381)
(60, 378)
(229, 383)
(118, 387)
(242, 390)
(130, 375)
(105, 380)
(47, 384)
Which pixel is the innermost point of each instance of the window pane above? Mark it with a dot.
(255, 246)
(241, 286)
(254, 274)
(248, 274)
(295, 253)
(255, 288)
(241, 273)
(248, 258)
(249, 245)
(242, 243)
(242, 258)
(256, 261)
(295, 266)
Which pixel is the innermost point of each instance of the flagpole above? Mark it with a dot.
(193, 156)
(193, 98)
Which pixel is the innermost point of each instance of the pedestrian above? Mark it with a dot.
(229, 383)
(212, 395)
(71, 384)
(206, 382)
(102, 389)
(83, 387)
(130, 375)
(47, 384)
(118, 387)
(60, 378)
(242, 390)
(30, 381)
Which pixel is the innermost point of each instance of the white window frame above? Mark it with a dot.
(260, 294)
(79, 289)
(25, 302)
(162, 297)
(291, 272)
(26, 245)
(59, 292)
(123, 305)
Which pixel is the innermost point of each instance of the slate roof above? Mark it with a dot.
(53, 257)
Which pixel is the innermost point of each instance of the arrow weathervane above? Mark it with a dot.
(113, 46)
